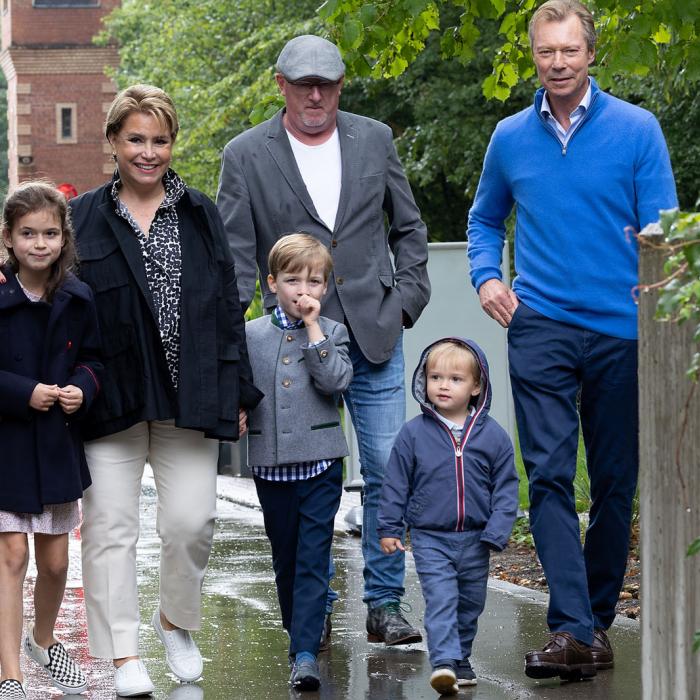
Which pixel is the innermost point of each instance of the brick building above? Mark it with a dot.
(57, 91)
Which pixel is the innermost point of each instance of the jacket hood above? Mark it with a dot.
(481, 403)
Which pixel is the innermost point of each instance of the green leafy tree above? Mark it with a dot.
(382, 38)
(214, 59)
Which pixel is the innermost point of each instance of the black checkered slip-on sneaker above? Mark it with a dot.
(65, 673)
(10, 688)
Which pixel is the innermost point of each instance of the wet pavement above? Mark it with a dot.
(245, 648)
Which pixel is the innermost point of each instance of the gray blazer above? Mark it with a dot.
(298, 419)
(262, 196)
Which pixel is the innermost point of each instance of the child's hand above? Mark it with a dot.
(44, 396)
(3, 279)
(71, 398)
(390, 544)
(309, 308)
(242, 422)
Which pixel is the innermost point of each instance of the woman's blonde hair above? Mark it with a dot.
(146, 99)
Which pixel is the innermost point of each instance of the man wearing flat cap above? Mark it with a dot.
(337, 176)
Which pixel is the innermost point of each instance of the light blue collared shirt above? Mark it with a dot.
(575, 117)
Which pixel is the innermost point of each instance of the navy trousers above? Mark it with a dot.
(560, 374)
(453, 569)
(299, 518)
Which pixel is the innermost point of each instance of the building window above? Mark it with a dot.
(4, 7)
(66, 126)
(66, 3)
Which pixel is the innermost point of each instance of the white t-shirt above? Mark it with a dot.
(320, 168)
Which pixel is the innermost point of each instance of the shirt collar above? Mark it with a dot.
(284, 322)
(583, 105)
(173, 184)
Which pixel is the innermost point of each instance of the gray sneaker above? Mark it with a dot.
(387, 624)
(305, 675)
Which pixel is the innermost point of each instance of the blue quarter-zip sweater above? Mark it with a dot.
(577, 209)
(433, 483)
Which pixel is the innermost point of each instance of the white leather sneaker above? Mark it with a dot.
(132, 679)
(181, 652)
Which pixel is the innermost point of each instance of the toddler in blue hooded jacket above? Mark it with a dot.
(451, 479)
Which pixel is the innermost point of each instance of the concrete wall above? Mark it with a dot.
(453, 310)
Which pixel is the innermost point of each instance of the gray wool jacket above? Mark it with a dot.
(379, 243)
(298, 419)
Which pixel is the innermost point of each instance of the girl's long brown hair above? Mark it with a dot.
(33, 196)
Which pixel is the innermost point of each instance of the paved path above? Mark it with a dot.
(245, 647)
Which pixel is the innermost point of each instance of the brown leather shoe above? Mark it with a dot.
(561, 656)
(601, 650)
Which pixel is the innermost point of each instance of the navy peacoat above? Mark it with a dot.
(41, 453)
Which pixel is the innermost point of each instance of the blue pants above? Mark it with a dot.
(299, 519)
(453, 568)
(558, 374)
(376, 401)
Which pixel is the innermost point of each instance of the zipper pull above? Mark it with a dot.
(458, 452)
(563, 150)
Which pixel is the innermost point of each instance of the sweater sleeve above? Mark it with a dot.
(486, 224)
(396, 487)
(653, 176)
(504, 498)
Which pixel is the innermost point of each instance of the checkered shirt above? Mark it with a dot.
(302, 470)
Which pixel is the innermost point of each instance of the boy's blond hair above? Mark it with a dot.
(454, 354)
(299, 251)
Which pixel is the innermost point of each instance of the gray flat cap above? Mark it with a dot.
(310, 56)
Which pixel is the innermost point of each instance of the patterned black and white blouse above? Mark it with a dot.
(162, 260)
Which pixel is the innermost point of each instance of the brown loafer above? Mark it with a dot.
(601, 650)
(561, 656)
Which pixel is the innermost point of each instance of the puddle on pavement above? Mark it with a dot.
(245, 648)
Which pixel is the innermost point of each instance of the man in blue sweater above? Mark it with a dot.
(585, 171)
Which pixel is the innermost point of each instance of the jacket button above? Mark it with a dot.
(286, 383)
(339, 281)
(290, 338)
(324, 353)
(285, 360)
(334, 243)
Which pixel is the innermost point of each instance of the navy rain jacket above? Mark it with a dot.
(433, 483)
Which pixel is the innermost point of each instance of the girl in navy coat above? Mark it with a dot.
(49, 371)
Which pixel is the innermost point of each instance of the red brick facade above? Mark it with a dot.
(57, 91)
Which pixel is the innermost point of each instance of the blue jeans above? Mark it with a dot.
(376, 400)
(560, 374)
(453, 568)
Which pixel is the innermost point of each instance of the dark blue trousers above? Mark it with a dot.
(299, 519)
(560, 374)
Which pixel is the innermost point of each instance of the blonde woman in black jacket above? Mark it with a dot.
(177, 379)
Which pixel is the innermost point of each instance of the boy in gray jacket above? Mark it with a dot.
(300, 361)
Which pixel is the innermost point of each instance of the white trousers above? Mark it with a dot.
(184, 467)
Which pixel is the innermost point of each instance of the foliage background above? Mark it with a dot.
(422, 67)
